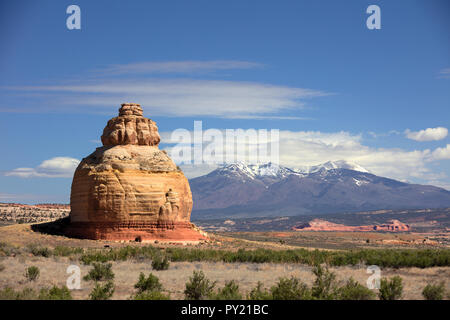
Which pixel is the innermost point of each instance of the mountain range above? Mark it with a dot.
(239, 190)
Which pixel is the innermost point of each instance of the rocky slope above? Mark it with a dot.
(21, 213)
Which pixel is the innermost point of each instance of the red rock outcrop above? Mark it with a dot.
(323, 225)
(393, 225)
(129, 189)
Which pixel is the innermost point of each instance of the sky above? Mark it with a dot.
(334, 89)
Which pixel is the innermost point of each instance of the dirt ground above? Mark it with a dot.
(23, 235)
(53, 272)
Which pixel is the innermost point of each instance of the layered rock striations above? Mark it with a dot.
(128, 189)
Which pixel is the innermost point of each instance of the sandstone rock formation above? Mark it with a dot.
(323, 225)
(129, 189)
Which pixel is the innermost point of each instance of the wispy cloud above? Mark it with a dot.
(383, 134)
(429, 134)
(33, 198)
(180, 97)
(58, 167)
(174, 67)
(274, 117)
(445, 73)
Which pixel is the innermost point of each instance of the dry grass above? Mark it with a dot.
(53, 269)
(53, 272)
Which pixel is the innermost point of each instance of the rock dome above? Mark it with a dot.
(128, 189)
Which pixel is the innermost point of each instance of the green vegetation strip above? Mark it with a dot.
(395, 258)
(421, 258)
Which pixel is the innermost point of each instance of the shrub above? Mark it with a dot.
(259, 293)
(32, 273)
(102, 291)
(66, 251)
(325, 285)
(100, 272)
(198, 287)
(159, 263)
(229, 292)
(148, 284)
(40, 251)
(290, 289)
(434, 291)
(7, 249)
(151, 295)
(353, 290)
(55, 293)
(11, 294)
(149, 288)
(391, 289)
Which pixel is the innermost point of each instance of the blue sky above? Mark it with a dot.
(312, 69)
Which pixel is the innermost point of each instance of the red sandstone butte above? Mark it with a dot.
(128, 189)
(323, 225)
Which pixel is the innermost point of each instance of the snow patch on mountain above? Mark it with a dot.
(359, 183)
(256, 171)
(331, 165)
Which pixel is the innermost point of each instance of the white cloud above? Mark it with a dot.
(442, 153)
(312, 148)
(429, 134)
(306, 148)
(179, 97)
(58, 167)
(177, 67)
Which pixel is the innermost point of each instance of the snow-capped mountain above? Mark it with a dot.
(335, 186)
(255, 171)
(258, 171)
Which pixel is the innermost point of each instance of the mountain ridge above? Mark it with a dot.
(241, 190)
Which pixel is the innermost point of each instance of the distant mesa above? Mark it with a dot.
(128, 189)
(323, 225)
